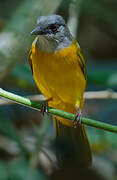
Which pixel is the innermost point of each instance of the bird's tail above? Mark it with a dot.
(76, 142)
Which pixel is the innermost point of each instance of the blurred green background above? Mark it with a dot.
(26, 145)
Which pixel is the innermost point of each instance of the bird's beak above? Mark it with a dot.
(37, 31)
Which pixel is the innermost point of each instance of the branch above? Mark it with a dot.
(36, 98)
(31, 104)
(106, 94)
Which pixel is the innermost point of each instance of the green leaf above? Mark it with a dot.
(19, 170)
(7, 128)
(3, 170)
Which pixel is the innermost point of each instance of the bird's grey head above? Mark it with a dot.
(52, 32)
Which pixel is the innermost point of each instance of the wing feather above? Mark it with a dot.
(30, 60)
(81, 61)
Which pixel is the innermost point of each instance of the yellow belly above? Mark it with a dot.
(59, 76)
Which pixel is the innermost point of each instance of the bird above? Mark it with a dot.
(59, 70)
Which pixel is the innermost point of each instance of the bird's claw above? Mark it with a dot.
(77, 119)
(44, 107)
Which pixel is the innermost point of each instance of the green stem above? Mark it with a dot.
(31, 104)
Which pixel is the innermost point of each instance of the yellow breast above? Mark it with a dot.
(58, 75)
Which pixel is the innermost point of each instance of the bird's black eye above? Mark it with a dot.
(54, 27)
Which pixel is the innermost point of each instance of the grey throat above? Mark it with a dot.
(54, 42)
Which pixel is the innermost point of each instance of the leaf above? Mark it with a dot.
(19, 170)
(7, 128)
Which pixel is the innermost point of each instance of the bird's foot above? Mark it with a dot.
(44, 106)
(77, 119)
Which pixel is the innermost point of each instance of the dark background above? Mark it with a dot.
(94, 24)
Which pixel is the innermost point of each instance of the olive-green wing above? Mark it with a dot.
(30, 53)
(81, 61)
(30, 60)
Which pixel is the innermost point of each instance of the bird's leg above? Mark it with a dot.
(44, 106)
(78, 118)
